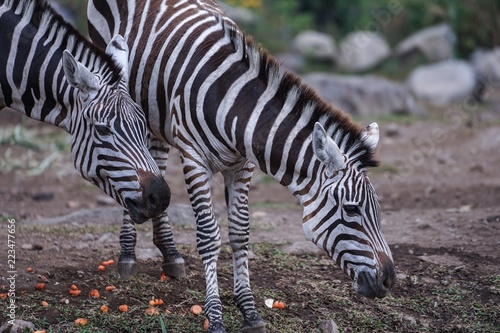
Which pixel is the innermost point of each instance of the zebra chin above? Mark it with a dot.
(154, 200)
(373, 283)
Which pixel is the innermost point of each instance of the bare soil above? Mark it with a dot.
(439, 187)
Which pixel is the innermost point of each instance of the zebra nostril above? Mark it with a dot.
(388, 283)
(153, 200)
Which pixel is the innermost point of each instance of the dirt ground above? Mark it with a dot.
(438, 184)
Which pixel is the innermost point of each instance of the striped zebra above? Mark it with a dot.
(228, 107)
(49, 72)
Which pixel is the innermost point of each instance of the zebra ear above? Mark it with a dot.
(327, 150)
(371, 136)
(118, 50)
(78, 75)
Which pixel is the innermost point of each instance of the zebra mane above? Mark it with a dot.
(345, 132)
(40, 10)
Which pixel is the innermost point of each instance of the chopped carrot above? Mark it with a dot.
(152, 311)
(40, 286)
(123, 308)
(81, 321)
(39, 331)
(156, 302)
(3, 296)
(196, 310)
(108, 262)
(101, 268)
(94, 293)
(168, 311)
(29, 270)
(75, 292)
(45, 304)
(279, 305)
(110, 288)
(206, 323)
(73, 287)
(163, 277)
(104, 308)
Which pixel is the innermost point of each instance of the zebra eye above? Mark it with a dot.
(103, 130)
(352, 209)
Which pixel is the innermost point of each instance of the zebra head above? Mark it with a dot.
(109, 138)
(344, 217)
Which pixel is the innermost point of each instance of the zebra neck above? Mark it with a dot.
(32, 80)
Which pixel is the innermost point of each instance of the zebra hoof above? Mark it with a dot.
(255, 326)
(127, 268)
(174, 269)
(216, 328)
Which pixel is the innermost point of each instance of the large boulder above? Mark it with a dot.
(444, 83)
(363, 95)
(435, 43)
(363, 50)
(315, 46)
(487, 64)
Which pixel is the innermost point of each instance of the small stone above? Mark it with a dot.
(410, 319)
(17, 326)
(73, 204)
(43, 196)
(88, 237)
(329, 326)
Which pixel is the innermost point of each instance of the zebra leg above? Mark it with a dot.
(237, 182)
(173, 263)
(208, 241)
(128, 237)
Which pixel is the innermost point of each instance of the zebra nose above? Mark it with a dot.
(156, 194)
(154, 200)
(388, 277)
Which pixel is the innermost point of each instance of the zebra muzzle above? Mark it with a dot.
(371, 285)
(154, 200)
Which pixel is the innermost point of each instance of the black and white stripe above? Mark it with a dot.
(228, 107)
(50, 73)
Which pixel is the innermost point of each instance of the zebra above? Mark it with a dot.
(226, 105)
(50, 73)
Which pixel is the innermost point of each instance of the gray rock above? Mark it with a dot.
(487, 64)
(315, 45)
(442, 260)
(363, 50)
(435, 43)
(329, 326)
(363, 95)
(18, 326)
(444, 83)
(303, 247)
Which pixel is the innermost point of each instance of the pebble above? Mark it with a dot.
(73, 204)
(18, 326)
(329, 326)
(43, 196)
